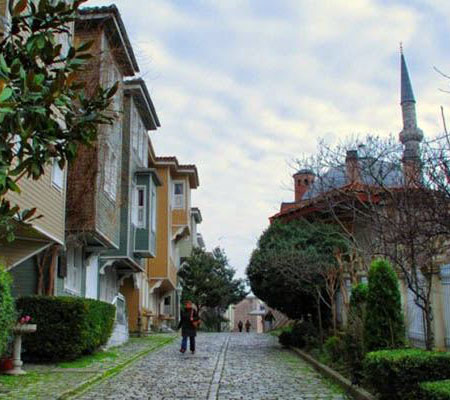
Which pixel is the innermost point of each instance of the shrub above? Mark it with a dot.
(7, 311)
(439, 390)
(383, 326)
(334, 347)
(301, 334)
(353, 341)
(285, 338)
(396, 374)
(67, 327)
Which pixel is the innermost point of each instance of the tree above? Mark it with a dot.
(393, 208)
(45, 109)
(294, 268)
(383, 326)
(7, 309)
(208, 281)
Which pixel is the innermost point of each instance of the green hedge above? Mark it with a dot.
(67, 327)
(439, 390)
(396, 374)
(7, 311)
(301, 335)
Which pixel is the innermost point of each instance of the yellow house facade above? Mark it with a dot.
(174, 226)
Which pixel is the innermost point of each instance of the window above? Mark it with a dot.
(141, 206)
(178, 195)
(57, 176)
(111, 172)
(74, 265)
(134, 213)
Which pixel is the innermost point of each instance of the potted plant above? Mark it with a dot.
(6, 360)
(22, 327)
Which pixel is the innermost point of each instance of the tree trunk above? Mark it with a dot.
(429, 336)
(319, 315)
(334, 316)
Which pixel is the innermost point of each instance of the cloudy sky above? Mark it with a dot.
(242, 87)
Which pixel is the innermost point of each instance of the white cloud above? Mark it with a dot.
(243, 86)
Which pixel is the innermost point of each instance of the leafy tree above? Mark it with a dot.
(45, 110)
(291, 266)
(208, 281)
(354, 336)
(7, 310)
(384, 326)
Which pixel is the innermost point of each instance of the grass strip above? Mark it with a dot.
(71, 393)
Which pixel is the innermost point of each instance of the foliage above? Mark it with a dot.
(334, 347)
(45, 111)
(439, 390)
(396, 374)
(211, 320)
(7, 310)
(354, 343)
(208, 281)
(67, 327)
(303, 334)
(285, 268)
(383, 326)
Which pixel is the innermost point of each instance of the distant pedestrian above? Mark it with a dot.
(240, 326)
(247, 326)
(189, 323)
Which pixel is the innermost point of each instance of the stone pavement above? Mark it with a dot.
(225, 367)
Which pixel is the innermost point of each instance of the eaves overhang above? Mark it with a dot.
(90, 17)
(138, 89)
(152, 172)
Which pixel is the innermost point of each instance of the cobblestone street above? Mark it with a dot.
(225, 367)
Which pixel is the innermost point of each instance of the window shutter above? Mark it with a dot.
(62, 267)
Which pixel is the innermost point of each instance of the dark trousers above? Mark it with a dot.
(191, 343)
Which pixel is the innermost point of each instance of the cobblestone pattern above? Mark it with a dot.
(49, 381)
(252, 366)
(257, 368)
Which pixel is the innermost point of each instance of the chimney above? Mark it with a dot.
(303, 180)
(351, 166)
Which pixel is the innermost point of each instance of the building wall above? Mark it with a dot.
(241, 314)
(25, 278)
(108, 209)
(158, 265)
(48, 200)
(82, 184)
(131, 293)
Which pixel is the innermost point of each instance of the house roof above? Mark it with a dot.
(373, 174)
(138, 89)
(184, 169)
(371, 171)
(90, 16)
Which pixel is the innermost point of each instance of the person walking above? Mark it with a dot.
(240, 326)
(247, 326)
(189, 323)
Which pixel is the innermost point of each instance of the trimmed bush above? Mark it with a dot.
(334, 347)
(439, 390)
(383, 326)
(396, 374)
(301, 335)
(354, 343)
(7, 311)
(285, 338)
(67, 327)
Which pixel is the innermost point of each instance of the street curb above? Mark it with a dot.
(77, 391)
(356, 392)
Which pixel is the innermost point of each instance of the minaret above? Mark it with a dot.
(411, 135)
